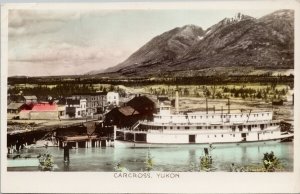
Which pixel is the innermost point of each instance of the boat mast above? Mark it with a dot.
(176, 101)
(206, 106)
(249, 115)
(222, 113)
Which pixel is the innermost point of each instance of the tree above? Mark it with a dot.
(186, 92)
(258, 95)
(207, 93)
(111, 88)
(219, 95)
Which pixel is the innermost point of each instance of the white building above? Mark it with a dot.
(76, 108)
(113, 98)
(30, 99)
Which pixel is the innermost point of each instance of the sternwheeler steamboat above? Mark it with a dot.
(201, 128)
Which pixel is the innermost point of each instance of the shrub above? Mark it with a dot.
(206, 163)
(46, 162)
(271, 163)
(149, 162)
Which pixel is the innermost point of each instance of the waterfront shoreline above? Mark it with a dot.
(165, 160)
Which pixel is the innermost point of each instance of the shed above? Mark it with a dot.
(30, 99)
(14, 107)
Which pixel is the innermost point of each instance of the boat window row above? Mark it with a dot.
(222, 135)
(262, 114)
(221, 116)
(233, 128)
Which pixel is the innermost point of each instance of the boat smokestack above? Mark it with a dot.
(206, 105)
(177, 101)
(228, 106)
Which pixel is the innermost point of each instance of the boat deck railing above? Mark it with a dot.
(146, 122)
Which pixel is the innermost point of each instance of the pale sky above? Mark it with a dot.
(64, 42)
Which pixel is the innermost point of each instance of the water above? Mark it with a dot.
(165, 159)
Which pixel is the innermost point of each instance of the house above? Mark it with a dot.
(113, 98)
(14, 107)
(138, 108)
(40, 111)
(29, 99)
(76, 108)
(124, 116)
(95, 102)
(61, 111)
(144, 105)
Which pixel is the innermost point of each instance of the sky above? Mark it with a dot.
(74, 42)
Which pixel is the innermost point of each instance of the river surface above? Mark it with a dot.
(185, 159)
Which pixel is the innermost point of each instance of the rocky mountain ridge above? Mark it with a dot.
(241, 41)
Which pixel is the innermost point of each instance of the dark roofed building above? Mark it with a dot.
(138, 108)
(124, 116)
(128, 111)
(144, 105)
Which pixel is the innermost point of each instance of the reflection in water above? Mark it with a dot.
(66, 166)
(165, 159)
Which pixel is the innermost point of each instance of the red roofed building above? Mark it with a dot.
(44, 107)
(41, 111)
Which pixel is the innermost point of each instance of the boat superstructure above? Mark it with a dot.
(217, 127)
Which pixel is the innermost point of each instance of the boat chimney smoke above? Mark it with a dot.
(176, 102)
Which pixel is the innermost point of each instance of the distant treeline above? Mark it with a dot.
(197, 80)
(59, 91)
(268, 92)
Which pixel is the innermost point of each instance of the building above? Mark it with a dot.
(40, 111)
(61, 111)
(113, 98)
(95, 102)
(144, 105)
(138, 108)
(76, 108)
(124, 116)
(30, 99)
(14, 107)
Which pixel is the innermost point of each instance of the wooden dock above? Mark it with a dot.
(72, 133)
(45, 127)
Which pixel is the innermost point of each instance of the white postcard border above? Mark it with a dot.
(95, 182)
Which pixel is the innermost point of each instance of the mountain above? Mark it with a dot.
(241, 41)
(165, 48)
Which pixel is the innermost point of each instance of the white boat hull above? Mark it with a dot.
(127, 144)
